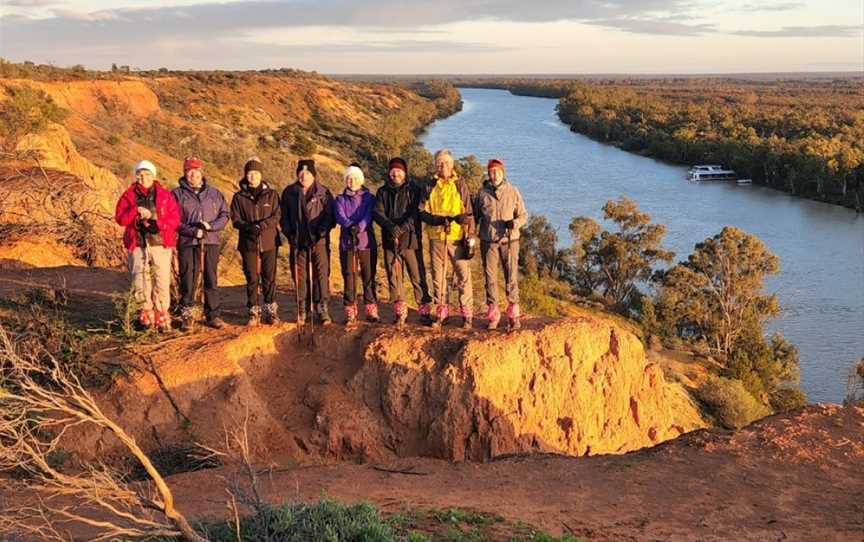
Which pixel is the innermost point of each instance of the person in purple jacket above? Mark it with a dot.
(203, 214)
(357, 248)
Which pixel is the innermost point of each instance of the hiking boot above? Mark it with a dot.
(271, 314)
(215, 322)
(350, 315)
(494, 317)
(163, 321)
(324, 314)
(371, 310)
(254, 317)
(146, 318)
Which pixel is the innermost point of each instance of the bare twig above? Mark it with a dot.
(40, 402)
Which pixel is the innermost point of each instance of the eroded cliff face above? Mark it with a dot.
(574, 386)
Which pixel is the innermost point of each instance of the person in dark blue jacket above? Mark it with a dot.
(203, 214)
(357, 249)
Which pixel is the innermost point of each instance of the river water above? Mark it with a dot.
(563, 174)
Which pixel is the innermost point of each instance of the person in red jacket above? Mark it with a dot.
(151, 216)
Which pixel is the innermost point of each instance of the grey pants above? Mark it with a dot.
(462, 269)
(398, 264)
(504, 254)
(145, 265)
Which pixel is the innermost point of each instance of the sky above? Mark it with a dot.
(442, 36)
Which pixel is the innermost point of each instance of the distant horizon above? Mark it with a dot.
(530, 75)
(643, 37)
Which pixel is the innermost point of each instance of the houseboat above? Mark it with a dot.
(711, 173)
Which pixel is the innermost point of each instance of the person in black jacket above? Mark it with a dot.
(396, 211)
(255, 213)
(307, 218)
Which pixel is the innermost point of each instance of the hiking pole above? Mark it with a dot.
(296, 272)
(444, 288)
(398, 279)
(201, 272)
(311, 297)
(353, 269)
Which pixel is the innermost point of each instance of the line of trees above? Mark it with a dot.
(805, 138)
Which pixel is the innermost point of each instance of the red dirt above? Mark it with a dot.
(709, 485)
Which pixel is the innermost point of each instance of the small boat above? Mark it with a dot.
(744, 181)
(711, 173)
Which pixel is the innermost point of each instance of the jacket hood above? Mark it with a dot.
(183, 183)
(244, 185)
(350, 193)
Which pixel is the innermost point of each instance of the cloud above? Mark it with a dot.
(820, 31)
(781, 6)
(31, 3)
(662, 26)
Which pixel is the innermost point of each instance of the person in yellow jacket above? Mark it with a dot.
(448, 213)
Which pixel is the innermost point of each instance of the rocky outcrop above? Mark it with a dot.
(574, 386)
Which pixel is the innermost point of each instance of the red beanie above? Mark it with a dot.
(192, 162)
(398, 163)
(495, 162)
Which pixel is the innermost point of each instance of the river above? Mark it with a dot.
(563, 174)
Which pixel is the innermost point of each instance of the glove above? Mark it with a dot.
(508, 224)
(354, 230)
(462, 219)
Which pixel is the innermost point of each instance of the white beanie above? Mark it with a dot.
(145, 164)
(354, 171)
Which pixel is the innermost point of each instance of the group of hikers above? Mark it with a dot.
(191, 217)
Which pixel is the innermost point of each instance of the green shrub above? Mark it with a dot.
(28, 110)
(730, 402)
(326, 521)
(542, 297)
(786, 399)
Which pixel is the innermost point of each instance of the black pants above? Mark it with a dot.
(265, 282)
(189, 259)
(421, 270)
(366, 264)
(320, 253)
(397, 263)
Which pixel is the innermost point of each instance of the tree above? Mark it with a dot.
(614, 262)
(538, 249)
(717, 294)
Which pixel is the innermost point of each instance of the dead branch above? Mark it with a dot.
(39, 402)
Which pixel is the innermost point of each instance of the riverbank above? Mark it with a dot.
(562, 175)
(802, 137)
